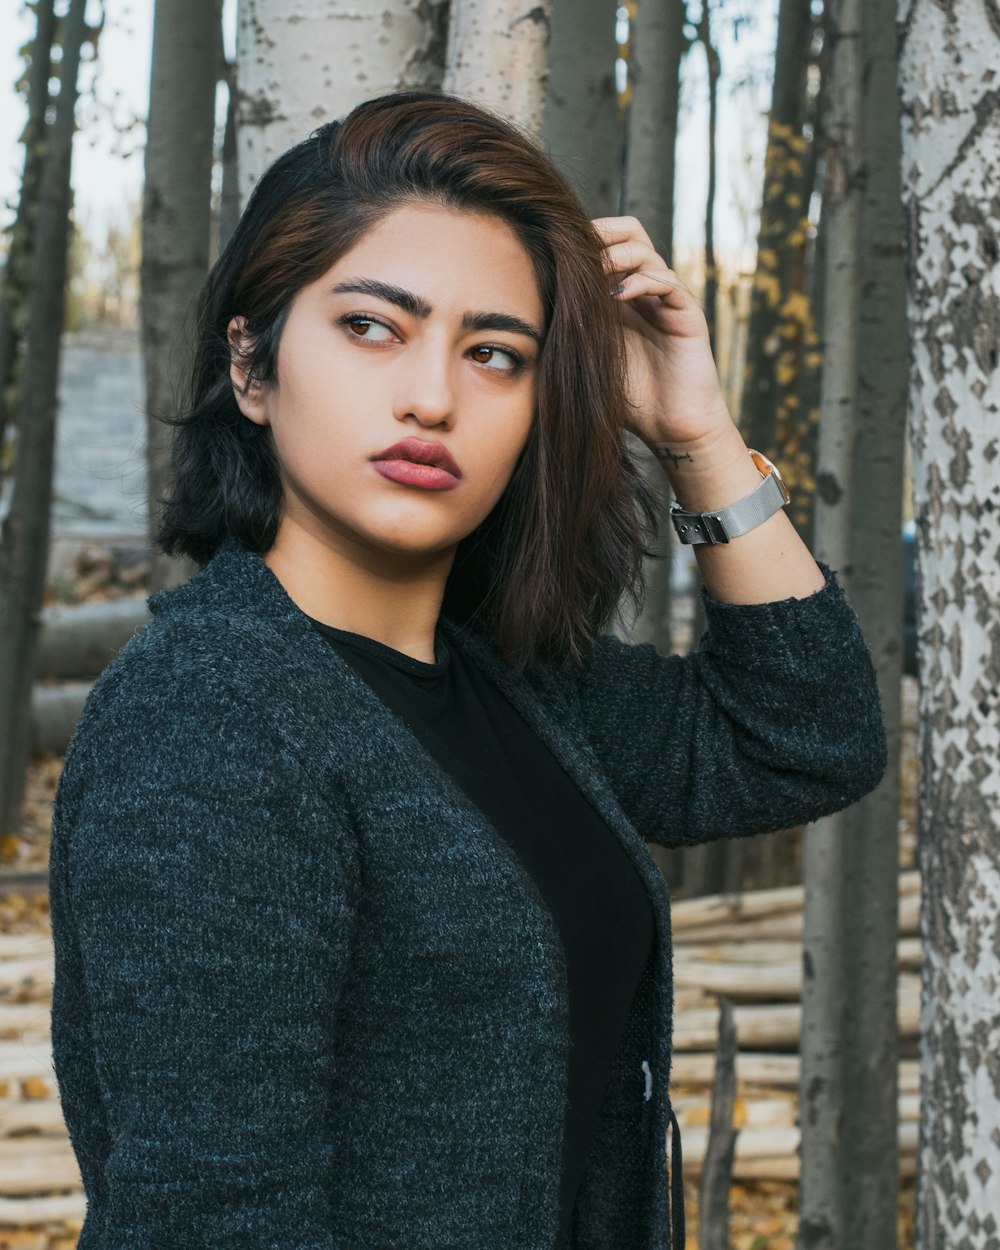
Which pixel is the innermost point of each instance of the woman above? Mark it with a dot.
(358, 940)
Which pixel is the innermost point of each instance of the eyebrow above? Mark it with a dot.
(418, 307)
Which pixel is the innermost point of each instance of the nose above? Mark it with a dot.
(425, 387)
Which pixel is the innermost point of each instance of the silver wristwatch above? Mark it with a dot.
(738, 518)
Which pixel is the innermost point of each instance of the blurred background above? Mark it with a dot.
(824, 175)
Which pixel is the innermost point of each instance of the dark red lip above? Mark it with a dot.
(417, 450)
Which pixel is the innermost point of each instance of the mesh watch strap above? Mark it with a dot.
(736, 519)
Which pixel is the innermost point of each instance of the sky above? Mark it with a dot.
(107, 155)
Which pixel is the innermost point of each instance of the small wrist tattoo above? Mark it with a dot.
(664, 453)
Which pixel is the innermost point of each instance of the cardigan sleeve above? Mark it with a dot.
(772, 721)
(201, 919)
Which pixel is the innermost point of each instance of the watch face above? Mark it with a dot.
(767, 468)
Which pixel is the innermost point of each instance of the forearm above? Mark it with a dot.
(768, 563)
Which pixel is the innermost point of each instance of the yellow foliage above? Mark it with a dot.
(796, 307)
(785, 371)
(769, 286)
(767, 258)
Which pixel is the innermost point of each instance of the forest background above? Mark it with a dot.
(824, 175)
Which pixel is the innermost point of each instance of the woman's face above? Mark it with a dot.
(428, 329)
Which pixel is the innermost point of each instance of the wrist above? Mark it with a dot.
(708, 473)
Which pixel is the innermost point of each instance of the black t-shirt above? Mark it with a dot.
(597, 899)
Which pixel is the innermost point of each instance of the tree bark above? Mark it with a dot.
(950, 105)
(176, 228)
(824, 988)
(583, 126)
(714, 70)
(498, 54)
(14, 291)
(717, 1169)
(780, 328)
(301, 64)
(229, 198)
(656, 45)
(871, 844)
(24, 536)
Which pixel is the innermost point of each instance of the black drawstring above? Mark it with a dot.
(677, 1235)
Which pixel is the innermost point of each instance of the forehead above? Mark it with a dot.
(455, 258)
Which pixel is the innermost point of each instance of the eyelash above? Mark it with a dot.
(515, 357)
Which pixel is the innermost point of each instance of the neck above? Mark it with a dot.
(394, 598)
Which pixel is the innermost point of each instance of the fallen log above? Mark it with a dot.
(24, 1212)
(31, 1115)
(38, 1165)
(908, 952)
(80, 639)
(773, 1070)
(25, 1020)
(778, 1024)
(786, 926)
(771, 1143)
(54, 713)
(712, 909)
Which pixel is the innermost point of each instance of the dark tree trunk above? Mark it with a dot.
(825, 1002)
(176, 225)
(229, 200)
(717, 1171)
(657, 44)
(583, 126)
(714, 71)
(24, 537)
(780, 328)
(871, 845)
(13, 292)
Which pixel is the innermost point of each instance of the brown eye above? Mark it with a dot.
(484, 354)
(360, 326)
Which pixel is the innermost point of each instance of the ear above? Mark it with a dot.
(247, 391)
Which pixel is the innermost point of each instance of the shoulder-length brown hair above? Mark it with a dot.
(547, 570)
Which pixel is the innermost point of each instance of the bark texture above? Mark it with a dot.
(498, 53)
(824, 982)
(176, 227)
(714, 68)
(583, 127)
(781, 338)
(950, 102)
(657, 44)
(16, 270)
(24, 536)
(305, 62)
(871, 1163)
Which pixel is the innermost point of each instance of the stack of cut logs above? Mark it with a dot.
(746, 947)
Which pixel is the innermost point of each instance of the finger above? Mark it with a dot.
(667, 286)
(618, 229)
(630, 255)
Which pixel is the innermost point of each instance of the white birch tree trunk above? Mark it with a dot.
(301, 63)
(498, 54)
(950, 103)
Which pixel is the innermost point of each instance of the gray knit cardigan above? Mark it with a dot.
(307, 998)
